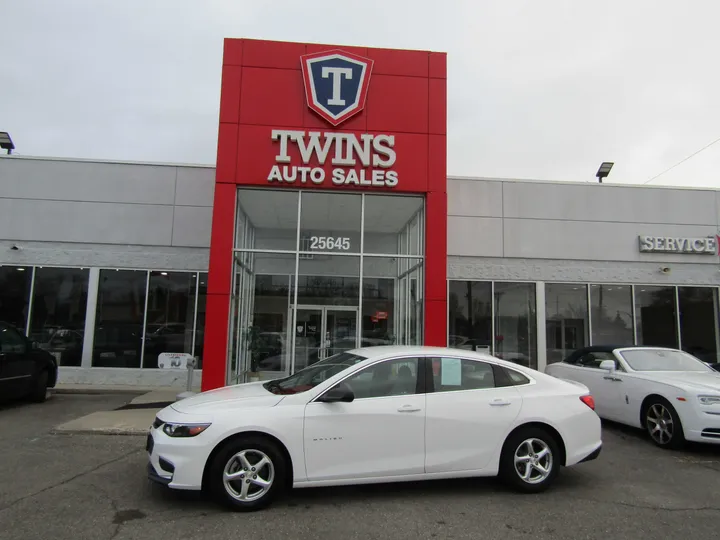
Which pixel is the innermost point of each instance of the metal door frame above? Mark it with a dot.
(323, 309)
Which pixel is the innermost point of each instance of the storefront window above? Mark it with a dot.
(566, 316)
(391, 224)
(515, 323)
(378, 312)
(612, 322)
(262, 315)
(656, 316)
(330, 222)
(200, 317)
(14, 295)
(58, 312)
(170, 315)
(119, 318)
(470, 321)
(271, 219)
(328, 313)
(699, 322)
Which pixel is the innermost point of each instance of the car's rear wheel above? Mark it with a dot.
(530, 460)
(663, 424)
(247, 473)
(38, 393)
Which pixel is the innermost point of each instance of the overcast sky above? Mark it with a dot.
(536, 89)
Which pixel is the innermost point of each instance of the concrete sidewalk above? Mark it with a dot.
(134, 418)
(67, 388)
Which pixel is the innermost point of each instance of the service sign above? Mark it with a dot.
(706, 245)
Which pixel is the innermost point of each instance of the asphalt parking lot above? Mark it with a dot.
(94, 487)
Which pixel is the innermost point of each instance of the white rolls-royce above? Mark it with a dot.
(668, 392)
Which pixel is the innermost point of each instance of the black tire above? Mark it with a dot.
(231, 495)
(663, 424)
(38, 393)
(525, 477)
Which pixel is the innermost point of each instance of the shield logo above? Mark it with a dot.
(336, 83)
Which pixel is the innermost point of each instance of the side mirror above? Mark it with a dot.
(607, 365)
(339, 393)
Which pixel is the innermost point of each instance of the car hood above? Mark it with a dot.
(693, 380)
(240, 396)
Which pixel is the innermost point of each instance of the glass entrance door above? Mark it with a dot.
(321, 331)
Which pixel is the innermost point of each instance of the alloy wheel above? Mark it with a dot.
(533, 461)
(248, 475)
(660, 424)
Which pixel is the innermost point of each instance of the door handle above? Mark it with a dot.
(613, 379)
(408, 408)
(499, 403)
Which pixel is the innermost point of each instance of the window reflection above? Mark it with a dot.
(656, 316)
(699, 321)
(330, 222)
(170, 315)
(14, 295)
(58, 312)
(566, 316)
(119, 318)
(271, 219)
(470, 324)
(612, 322)
(392, 224)
(515, 323)
(200, 317)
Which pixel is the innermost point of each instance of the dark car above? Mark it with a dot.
(26, 371)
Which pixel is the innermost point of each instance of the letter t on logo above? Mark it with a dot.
(336, 73)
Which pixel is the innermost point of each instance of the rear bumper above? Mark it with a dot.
(593, 455)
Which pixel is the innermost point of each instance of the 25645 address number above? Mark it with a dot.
(327, 243)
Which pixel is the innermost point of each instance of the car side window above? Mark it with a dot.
(593, 359)
(11, 341)
(453, 374)
(388, 378)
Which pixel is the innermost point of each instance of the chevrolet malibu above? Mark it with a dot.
(372, 415)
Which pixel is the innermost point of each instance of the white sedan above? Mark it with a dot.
(381, 414)
(671, 394)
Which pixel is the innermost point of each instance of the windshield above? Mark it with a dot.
(662, 360)
(311, 376)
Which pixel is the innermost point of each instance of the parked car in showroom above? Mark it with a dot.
(372, 415)
(671, 394)
(26, 371)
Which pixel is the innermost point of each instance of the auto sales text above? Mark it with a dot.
(345, 149)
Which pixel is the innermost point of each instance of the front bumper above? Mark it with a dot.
(701, 423)
(178, 463)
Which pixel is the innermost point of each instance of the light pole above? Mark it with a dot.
(604, 170)
(6, 142)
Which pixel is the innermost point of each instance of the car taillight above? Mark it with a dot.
(588, 400)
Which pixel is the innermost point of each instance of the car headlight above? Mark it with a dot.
(709, 400)
(184, 430)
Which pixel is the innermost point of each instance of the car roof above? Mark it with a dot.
(387, 351)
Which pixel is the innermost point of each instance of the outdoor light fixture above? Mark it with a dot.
(604, 170)
(6, 142)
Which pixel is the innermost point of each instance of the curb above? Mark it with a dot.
(97, 391)
(116, 432)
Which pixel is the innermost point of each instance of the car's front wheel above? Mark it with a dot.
(530, 460)
(663, 424)
(247, 473)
